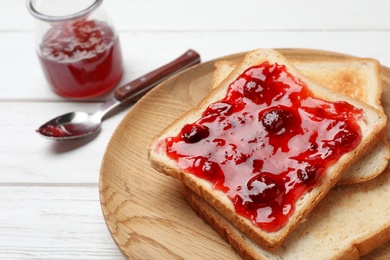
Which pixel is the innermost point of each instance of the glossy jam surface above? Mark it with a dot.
(54, 131)
(81, 59)
(266, 143)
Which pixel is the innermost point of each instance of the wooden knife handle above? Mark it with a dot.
(140, 86)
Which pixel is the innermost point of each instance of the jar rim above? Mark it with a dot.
(51, 18)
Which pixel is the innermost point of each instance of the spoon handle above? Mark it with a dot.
(138, 87)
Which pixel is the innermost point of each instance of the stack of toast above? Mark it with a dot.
(335, 214)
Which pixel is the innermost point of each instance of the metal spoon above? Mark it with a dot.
(77, 125)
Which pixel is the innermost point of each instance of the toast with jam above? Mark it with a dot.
(266, 145)
(356, 77)
(350, 222)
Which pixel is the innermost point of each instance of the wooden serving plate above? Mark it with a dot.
(144, 210)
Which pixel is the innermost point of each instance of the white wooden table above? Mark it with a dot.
(49, 196)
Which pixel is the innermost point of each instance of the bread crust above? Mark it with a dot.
(373, 129)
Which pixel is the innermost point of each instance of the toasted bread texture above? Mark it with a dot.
(372, 125)
(348, 223)
(356, 77)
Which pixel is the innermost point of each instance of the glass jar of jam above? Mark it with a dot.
(77, 46)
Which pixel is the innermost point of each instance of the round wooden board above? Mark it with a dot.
(144, 210)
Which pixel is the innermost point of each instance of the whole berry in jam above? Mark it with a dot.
(277, 121)
(263, 86)
(193, 133)
(310, 174)
(219, 108)
(262, 189)
(346, 138)
(209, 170)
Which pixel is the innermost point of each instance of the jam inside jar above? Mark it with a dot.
(266, 143)
(77, 46)
(81, 59)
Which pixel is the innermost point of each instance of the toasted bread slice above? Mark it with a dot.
(372, 124)
(348, 223)
(355, 77)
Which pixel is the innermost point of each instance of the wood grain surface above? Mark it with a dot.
(144, 210)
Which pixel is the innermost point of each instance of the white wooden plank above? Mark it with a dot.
(144, 51)
(168, 15)
(26, 157)
(53, 223)
(219, 15)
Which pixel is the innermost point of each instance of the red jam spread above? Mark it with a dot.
(81, 59)
(268, 141)
(54, 131)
